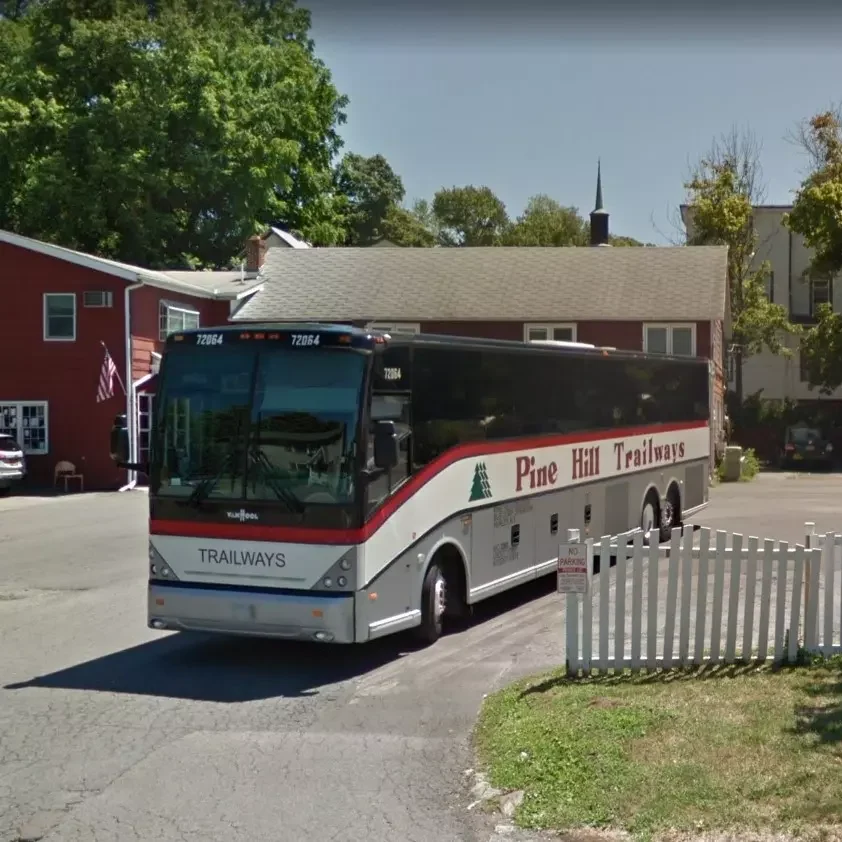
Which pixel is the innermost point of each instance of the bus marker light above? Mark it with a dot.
(372, 596)
(159, 600)
(317, 612)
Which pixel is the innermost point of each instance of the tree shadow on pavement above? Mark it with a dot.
(214, 668)
(222, 669)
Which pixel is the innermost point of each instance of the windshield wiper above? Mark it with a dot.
(204, 488)
(283, 494)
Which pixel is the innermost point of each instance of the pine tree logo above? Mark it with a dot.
(481, 488)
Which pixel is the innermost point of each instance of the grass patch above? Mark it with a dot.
(719, 749)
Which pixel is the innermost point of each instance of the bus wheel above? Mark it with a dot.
(649, 516)
(671, 514)
(433, 605)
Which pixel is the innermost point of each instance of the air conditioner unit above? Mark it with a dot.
(98, 298)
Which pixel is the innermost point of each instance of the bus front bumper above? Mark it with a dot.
(325, 618)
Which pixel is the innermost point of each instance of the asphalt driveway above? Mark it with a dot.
(109, 730)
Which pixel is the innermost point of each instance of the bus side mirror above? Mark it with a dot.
(120, 441)
(385, 445)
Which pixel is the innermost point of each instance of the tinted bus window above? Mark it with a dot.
(465, 394)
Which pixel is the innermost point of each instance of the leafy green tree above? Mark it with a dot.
(422, 210)
(470, 216)
(621, 242)
(372, 191)
(720, 197)
(403, 228)
(546, 222)
(165, 133)
(816, 215)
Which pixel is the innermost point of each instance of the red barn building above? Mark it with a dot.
(68, 308)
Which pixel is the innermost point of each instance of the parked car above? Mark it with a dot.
(806, 446)
(12, 463)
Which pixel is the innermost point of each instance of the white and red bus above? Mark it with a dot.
(337, 484)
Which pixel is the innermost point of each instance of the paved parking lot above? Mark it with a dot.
(776, 505)
(111, 731)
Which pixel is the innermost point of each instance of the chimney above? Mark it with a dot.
(255, 252)
(599, 216)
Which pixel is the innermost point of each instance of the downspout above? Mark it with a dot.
(131, 420)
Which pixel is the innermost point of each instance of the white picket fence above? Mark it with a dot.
(707, 598)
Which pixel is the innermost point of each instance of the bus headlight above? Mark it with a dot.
(158, 568)
(327, 581)
(345, 564)
(341, 581)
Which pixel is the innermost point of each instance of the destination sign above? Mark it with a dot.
(300, 339)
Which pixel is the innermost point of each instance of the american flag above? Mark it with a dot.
(105, 390)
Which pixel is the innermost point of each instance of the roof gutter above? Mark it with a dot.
(131, 415)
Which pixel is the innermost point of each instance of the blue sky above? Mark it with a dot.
(529, 109)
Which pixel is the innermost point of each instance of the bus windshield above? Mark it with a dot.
(241, 422)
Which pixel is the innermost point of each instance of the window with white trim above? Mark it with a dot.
(677, 339)
(555, 331)
(175, 317)
(27, 423)
(395, 327)
(59, 316)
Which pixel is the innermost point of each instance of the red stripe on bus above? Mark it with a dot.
(308, 535)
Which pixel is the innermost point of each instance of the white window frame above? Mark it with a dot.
(19, 405)
(549, 327)
(46, 297)
(395, 327)
(669, 327)
(165, 308)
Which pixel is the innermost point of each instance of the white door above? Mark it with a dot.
(144, 429)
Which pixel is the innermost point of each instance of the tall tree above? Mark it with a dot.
(403, 228)
(422, 210)
(721, 193)
(165, 133)
(470, 216)
(816, 215)
(620, 241)
(546, 222)
(372, 189)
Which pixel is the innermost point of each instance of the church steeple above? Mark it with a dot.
(599, 216)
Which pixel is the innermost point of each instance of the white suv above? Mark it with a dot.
(12, 463)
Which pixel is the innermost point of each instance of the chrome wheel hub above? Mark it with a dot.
(647, 520)
(439, 597)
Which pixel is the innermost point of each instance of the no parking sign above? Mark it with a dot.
(572, 576)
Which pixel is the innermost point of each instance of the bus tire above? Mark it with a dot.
(671, 516)
(433, 605)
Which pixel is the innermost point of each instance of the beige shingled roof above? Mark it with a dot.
(519, 284)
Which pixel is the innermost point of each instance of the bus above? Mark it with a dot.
(337, 484)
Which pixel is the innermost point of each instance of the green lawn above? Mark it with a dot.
(720, 749)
